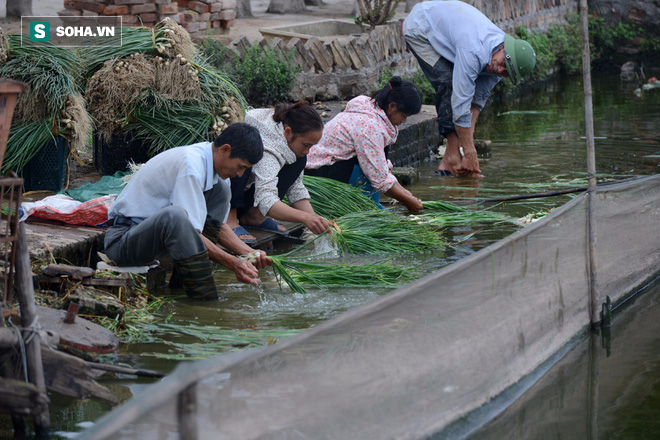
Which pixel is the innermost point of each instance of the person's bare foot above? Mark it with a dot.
(232, 222)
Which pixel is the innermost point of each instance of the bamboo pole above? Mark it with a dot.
(25, 293)
(591, 164)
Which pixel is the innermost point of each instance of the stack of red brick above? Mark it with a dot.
(194, 15)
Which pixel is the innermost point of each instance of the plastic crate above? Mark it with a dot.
(113, 156)
(48, 169)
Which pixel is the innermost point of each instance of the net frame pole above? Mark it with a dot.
(591, 164)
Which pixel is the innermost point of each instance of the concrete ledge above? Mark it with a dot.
(77, 245)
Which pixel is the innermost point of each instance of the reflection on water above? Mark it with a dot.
(604, 388)
(531, 152)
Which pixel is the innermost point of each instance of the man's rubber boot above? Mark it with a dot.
(211, 232)
(196, 275)
(175, 279)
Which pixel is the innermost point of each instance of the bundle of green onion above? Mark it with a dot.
(463, 217)
(53, 75)
(296, 274)
(440, 205)
(384, 231)
(333, 199)
(159, 89)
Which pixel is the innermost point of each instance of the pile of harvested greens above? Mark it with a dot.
(158, 88)
(54, 105)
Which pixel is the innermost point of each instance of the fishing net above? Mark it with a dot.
(413, 362)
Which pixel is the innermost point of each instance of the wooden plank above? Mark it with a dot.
(124, 370)
(21, 398)
(75, 272)
(105, 282)
(72, 377)
(25, 294)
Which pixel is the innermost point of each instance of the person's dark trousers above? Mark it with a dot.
(169, 231)
(440, 76)
(340, 171)
(243, 200)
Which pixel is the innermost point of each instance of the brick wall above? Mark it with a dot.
(341, 68)
(194, 15)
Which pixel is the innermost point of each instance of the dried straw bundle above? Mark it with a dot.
(112, 90)
(178, 40)
(4, 48)
(75, 122)
(176, 79)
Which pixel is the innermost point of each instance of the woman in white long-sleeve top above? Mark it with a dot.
(288, 131)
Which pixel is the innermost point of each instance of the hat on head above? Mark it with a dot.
(520, 58)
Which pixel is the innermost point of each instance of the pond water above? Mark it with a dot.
(607, 387)
(537, 145)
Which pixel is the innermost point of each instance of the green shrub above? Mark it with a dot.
(419, 79)
(562, 45)
(216, 53)
(261, 75)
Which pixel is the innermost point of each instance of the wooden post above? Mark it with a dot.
(187, 412)
(25, 293)
(591, 163)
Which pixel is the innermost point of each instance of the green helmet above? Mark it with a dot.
(520, 58)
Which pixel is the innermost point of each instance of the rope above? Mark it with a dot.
(33, 329)
(21, 344)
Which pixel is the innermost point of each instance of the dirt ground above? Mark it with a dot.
(243, 26)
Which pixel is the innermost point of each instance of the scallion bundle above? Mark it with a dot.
(442, 219)
(333, 199)
(296, 274)
(54, 105)
(440, 205)
(384, 231)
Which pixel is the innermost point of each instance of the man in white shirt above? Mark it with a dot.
(464, 55)
(178, 202)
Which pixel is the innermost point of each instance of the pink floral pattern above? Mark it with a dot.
(362, 129)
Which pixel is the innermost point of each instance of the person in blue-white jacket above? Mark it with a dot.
(464, 55)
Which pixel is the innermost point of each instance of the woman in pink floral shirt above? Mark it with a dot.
(288, 131)
(352, 148)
